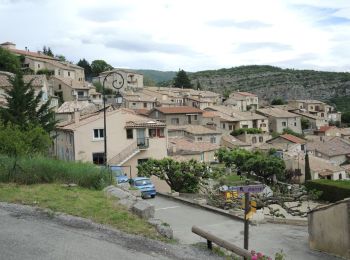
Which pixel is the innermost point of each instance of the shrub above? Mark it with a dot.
(246, 130)
(45, 170)
(331, 190)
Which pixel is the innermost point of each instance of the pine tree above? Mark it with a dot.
(307, 168)
(181, 80)
(23, 107)
(87, 68)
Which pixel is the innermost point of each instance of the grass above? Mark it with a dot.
(77, 201)
(47, 170)
(231, 180)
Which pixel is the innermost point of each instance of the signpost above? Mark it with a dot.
(249, 207)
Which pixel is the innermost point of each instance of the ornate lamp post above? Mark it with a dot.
(117, 83)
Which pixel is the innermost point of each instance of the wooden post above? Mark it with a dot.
(210, 245)
(246, 220)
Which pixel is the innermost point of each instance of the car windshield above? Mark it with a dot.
(117, 171)
(143, 182)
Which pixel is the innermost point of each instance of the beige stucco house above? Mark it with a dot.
(131, 139)
(242, 101)
(280, 119)
(182, 115)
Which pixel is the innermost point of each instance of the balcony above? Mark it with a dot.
(143, 143)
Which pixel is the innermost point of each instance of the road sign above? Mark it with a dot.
(249, 188)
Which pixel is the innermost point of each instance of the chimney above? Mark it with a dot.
(76, 115)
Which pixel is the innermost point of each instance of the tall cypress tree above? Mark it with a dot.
(23, 106)
(307, 168)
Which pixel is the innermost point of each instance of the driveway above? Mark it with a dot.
(266, 238)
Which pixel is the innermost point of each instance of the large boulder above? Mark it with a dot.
(165, 230)
(143, 209)
(119, 193)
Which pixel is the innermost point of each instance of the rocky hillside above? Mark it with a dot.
(273, 82)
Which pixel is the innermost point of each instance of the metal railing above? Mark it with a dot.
(143, 143)
(125, 153)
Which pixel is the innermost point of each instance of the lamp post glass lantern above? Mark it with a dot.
(117, 81)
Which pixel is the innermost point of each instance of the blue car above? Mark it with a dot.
(119, 175)
(145, 185)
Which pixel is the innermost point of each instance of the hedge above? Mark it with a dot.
(331, 190)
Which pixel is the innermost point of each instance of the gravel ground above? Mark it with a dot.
(21, 226)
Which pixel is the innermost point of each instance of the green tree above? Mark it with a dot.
(148, 81)
(277, 101)
(87, 68)
(345, 117)
(307, 168)
(23, 106)
(291, 132)
(99, 89)
(305, 123)
(61, 57)
(180, 176)
(47, 51)
(198, 86)
(181, 80)
(8, 61)
(99, 66)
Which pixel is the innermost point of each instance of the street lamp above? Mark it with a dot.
(117, 83)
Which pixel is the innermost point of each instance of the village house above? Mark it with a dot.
(39, 82)
(328, 131)
(316, 108)
(319, 167)
(166, 97)
(289, 143)
(231, 119)
(196, 133)
(345, 133)
(132, 79)
(184, 149)
(67, 110)
(254, 140)
(232, 142)
(139, 100)
(132, 139)
(210, 119)
(242, 101)
(279, 119)
(183, 115)
(334, 149)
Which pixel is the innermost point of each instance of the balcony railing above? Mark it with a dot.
(143, 143)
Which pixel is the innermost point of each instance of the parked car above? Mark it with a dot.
(118, 174)
(145, 185)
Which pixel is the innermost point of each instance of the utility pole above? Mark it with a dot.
(246, 220)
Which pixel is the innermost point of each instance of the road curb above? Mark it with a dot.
(295, 222)
(205, 207)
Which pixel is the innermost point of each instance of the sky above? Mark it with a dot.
(192, 35)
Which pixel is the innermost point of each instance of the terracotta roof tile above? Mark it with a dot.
(293, 139)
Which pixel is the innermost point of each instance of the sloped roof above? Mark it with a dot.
(330, 147)
(179, 110)
(276, 112)
(187, 146)
(194, 129)
(37, 80)
(32, 54)
(290, 138)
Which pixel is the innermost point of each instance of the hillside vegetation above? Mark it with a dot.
(272, 82)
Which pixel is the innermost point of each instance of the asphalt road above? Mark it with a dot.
(29, 236)
(266, 238)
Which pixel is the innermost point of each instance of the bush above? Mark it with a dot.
(331, 190)
(45, 170)
(246, 130)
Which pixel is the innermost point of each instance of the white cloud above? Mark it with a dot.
(194, 35)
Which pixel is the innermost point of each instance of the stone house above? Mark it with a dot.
(132, 139)
(334, 149)
(139, 100)
(254, 140)
(210, 119)
(345, 133)
(280, 119)
(242, 101)
(132, 79)
(287, 141)
(328, 131)
(196, 133)
(182, 115)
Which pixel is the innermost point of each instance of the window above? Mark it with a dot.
(129, 134)
(254, 139)
(157, 114)
(199, 138)
(156, 132)
(145, 105)
(295, 123)
(213, 140)
(98, 158)
(322, 114)
(202, 157)
(80, 93)
(340, 176)
(195, 117)
(68, 73)
(175, 121)
(262, 120)
(261, 139)
(284, 124)
(59, 86)
(223, 126)
(38, 66)
(98, 133)
(230, 127)
(244, 126)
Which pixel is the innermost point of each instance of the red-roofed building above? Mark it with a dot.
(177, 115)
(288, 142)
(328, 131)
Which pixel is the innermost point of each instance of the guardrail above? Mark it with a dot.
(220, 242)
